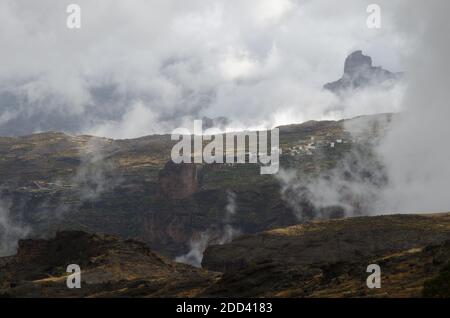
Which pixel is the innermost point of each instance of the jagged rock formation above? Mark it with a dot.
(178, 181)
(359, 73)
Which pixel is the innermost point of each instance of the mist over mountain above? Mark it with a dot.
(86, 118)
(146, 68)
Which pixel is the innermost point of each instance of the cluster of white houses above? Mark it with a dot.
(308, 148)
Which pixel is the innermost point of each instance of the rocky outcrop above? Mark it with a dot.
(110, 267)
(178, 181)
(359, 73)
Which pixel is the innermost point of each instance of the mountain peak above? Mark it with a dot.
(357, 61)
(359, 73)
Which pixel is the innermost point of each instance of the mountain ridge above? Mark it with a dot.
(121, 187)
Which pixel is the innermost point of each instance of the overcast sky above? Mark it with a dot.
(138, 67)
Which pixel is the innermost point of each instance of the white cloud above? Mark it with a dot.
(250, 61)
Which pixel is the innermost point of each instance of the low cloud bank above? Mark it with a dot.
(148, 67)
(407, 170)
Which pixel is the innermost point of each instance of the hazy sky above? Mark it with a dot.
(138, 67)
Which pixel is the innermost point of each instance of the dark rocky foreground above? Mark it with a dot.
(110, 267)
(317, 259)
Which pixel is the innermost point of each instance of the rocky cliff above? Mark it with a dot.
(178, 181)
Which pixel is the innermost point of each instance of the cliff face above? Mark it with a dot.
(359, 73)
(178, 181)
